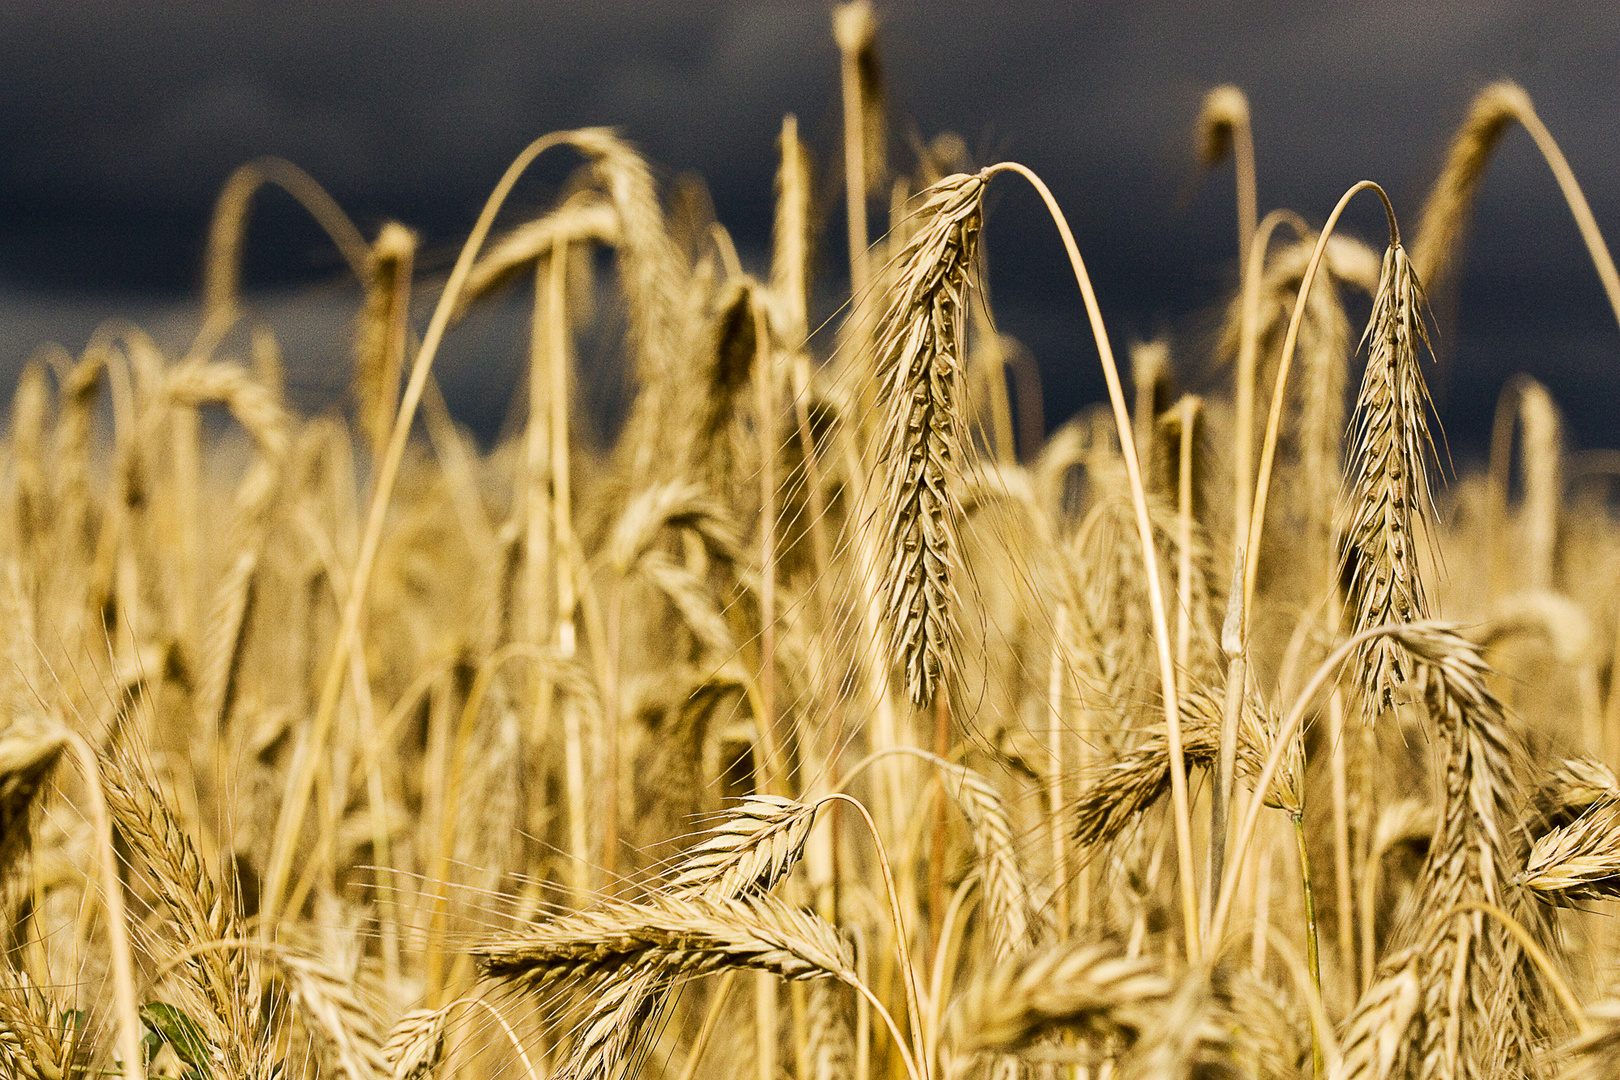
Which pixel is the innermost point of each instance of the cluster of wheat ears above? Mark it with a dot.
(330, 753)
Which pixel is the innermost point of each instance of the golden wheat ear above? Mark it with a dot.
(924, 432)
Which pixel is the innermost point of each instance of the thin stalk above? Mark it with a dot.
(1054, 770)
(1268, 454)
(1342, 872)
(764, 1025)
(1184, 524)
(711, 1020)
(907, 971)
(293, 810)
(1150, 563)
(1254, 261)
(1237, 688)
(1584, 221)
(1290, 728)
(1313, 955)
(112, 898)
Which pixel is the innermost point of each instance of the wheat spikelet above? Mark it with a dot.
(680, 936)
(920, 366)
(415, 1045)
(1578, 861)
(342, 1027)
(202, 913)
(1570, 789)
(1388, 505)
(753, 847)
(39, 1039)
(1115, 793)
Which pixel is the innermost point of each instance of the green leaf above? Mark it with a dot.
(184, 1034)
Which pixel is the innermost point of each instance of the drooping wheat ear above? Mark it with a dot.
(583, 216)
(1388, 506)
(1570, 789)
(40, 1039)
(678, 936)
(1579, 861)
(415, 1044)
(28, 753)
(1493, 108)
(1007, 893)
(381, 330)
(1087, 987)
(254, 407)
(753, 847)
(1115, 793)
(1223, 128)
(222, 265)
(1445, 213)
(791, 236)
(924, 432)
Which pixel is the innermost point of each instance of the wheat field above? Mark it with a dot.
(834, 719)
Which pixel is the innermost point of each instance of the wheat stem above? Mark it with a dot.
(1290, 728)
(112, 899)
(1268, 453)
(1247, 359)
(291, 821)
(1150, 562)
(908, 972)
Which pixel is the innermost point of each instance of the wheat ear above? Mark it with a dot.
(919, 351)
(1447, 206)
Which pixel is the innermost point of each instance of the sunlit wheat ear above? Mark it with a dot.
(678, 937)
(791, 235)
(41, 1038)
(1445, 212)
(379, 340)
(924, 432)
(1579, 861)
(855, 30)
(752, 848)
(1090, 988)
(1387, 510)
(1570, 789)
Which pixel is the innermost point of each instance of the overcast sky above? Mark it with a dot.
(121, 120)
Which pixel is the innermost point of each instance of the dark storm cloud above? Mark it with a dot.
(121, 120)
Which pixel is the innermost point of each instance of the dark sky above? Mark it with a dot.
(121, 120)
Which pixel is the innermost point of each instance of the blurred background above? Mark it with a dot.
(122, 120)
